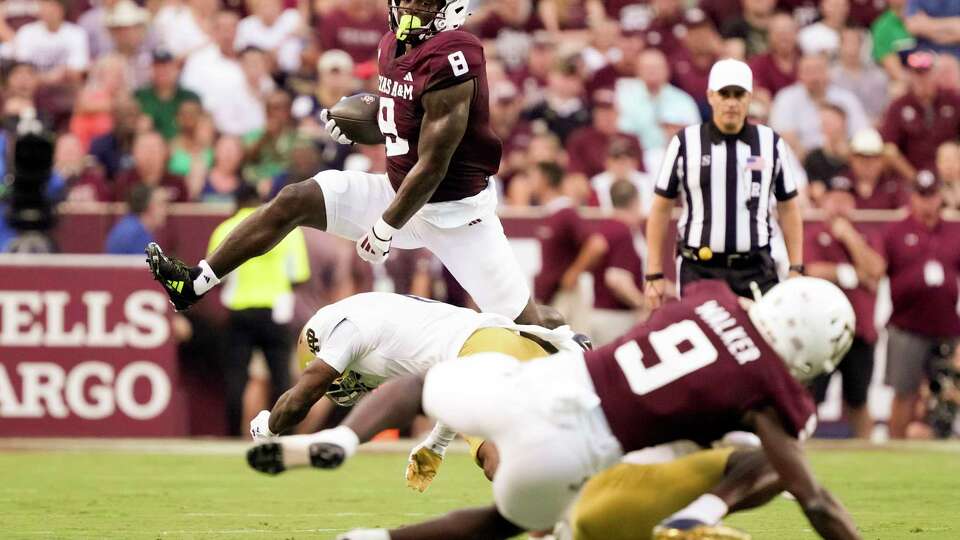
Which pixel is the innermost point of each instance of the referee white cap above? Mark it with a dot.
(730, 72)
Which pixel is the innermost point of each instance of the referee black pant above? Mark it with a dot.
(761, 269)
(248, 329)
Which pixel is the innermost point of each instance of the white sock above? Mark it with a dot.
(708, 509)
(342, 436)
(206, 280)
(365, 534)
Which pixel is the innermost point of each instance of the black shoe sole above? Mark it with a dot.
(326, 455)
(154, 254)
(266, 458)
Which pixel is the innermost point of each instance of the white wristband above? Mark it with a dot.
(847, 276)
(440, 438)
(708, 508)
(383, 230)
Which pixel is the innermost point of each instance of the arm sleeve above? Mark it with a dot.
(784, 172)
(671, 169)
(455, 62)
(342, 347)
(882, 45)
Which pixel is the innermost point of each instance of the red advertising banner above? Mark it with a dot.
(86, 349)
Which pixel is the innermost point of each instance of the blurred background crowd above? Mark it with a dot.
(155, 102)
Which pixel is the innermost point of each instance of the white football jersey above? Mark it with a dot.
(382, 335)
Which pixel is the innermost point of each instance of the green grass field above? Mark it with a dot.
(891, 493)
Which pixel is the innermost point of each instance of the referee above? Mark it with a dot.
(725, 173)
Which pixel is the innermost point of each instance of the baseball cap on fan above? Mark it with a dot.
(867, 142)
(730, 72)
(926, 183)
(125, 13)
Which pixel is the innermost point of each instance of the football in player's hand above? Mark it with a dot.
(356, 116)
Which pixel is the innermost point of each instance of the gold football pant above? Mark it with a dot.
(500, 340)
(627, 500)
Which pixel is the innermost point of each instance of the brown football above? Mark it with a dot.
(357, 118)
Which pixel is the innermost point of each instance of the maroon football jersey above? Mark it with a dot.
(444, 60)
(923, 265)
(692, 371)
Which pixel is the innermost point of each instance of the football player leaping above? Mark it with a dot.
(707, 365)
(353, 345)
(441, 151)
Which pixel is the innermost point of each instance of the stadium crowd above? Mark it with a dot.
(167, 101)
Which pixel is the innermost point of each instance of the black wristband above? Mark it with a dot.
(798, 268)
(653, 277)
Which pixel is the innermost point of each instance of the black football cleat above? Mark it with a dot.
(266, 458)
(326, 455)
(175, 276)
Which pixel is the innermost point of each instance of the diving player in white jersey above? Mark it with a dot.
(351, 346)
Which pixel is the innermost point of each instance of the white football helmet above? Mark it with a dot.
(809, 322)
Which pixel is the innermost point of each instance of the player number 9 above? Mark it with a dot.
(396, 145)
(673, 363)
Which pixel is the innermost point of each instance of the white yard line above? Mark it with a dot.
(221, 447)
(232, 447)
(247, 531)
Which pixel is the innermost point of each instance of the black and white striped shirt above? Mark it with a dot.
(726, 202)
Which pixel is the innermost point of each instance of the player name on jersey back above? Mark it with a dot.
(730, 332)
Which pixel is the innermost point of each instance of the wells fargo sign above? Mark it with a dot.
(85, 349)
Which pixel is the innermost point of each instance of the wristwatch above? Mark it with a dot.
(653, 277)
(798, 268)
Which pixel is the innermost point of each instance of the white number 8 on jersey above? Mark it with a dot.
(458, 62)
